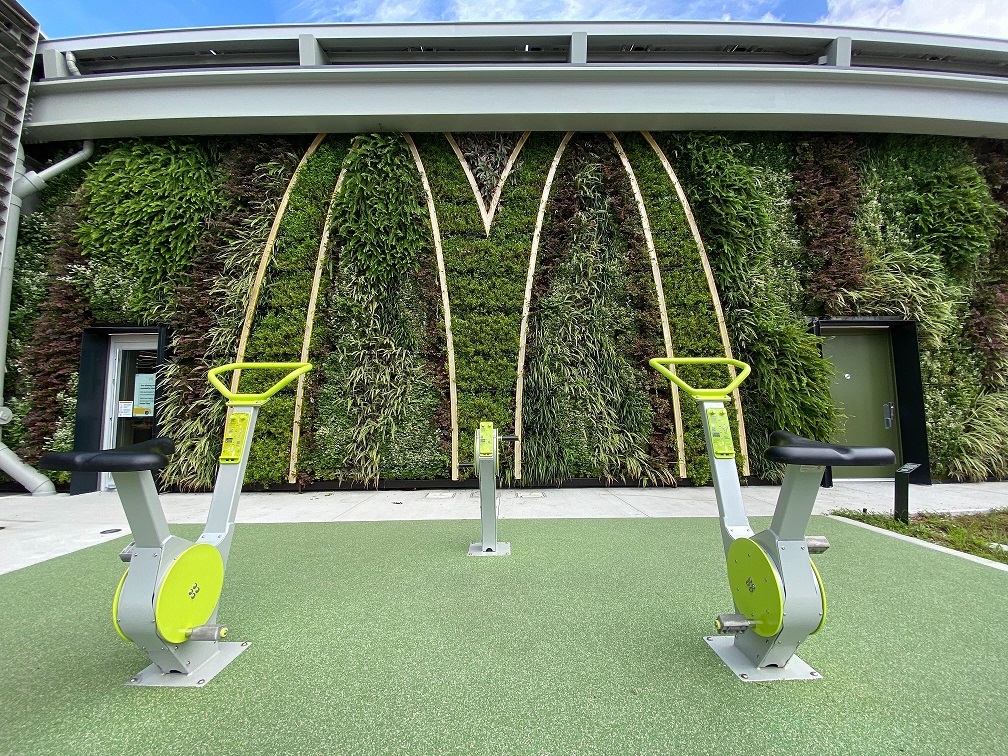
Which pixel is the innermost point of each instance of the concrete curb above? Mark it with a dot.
(925, 544)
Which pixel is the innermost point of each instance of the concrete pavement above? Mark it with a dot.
(39, 528)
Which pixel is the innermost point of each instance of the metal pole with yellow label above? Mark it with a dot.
(487, 464)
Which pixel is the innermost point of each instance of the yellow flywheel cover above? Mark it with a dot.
(756, 586)
(189, 592)
(115, 608)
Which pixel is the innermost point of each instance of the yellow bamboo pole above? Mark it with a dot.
(712, 286)
(310, 326)
(450, 344)
(264, 261)
(520, 386)
(660, 290)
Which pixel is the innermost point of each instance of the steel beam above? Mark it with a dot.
(517, 97)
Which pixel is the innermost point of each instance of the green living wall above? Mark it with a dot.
(174, 232)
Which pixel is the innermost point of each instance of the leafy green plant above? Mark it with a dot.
(745, 223)
(586, 408)
(374, 398)
(144, 204)
(486, 279)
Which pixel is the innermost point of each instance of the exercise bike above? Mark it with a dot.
(487, 464)
(778, 593)
(167, 600)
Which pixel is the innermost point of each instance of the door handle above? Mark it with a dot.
(887, 414)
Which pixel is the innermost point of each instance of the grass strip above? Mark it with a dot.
(983, 534)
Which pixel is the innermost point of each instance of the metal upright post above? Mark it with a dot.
(901, 511)
(486, 462)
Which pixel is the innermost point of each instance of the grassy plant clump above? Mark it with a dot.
(928, 223)
(586, 408)
(39, 236)
(278, 327)
(205, 325)
(376, 397)
(487, 155)
(143, 209)
(486, 279)
(984, 534)
(735, 193)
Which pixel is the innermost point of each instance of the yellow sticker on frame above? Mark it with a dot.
(234, 438)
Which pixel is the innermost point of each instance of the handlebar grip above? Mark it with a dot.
(296, 369)
(714, 394)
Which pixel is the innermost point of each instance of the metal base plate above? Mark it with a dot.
(737, 662)
(153, 677)
(503, 549)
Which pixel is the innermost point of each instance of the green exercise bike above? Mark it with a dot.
(167, 600)
(778, 593)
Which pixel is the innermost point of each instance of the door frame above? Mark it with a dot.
(89, 424)
(909, 388)
(118, 343)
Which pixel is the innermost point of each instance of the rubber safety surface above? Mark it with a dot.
(385, 637)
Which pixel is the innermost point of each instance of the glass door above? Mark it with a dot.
(129, 393)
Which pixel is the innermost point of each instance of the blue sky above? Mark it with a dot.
(71, 18)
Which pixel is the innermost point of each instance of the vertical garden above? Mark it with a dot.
(525, 279)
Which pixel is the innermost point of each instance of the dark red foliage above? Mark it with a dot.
(53, 355)
(825, 199)
(435, 354)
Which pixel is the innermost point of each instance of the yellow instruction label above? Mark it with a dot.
(234, 438)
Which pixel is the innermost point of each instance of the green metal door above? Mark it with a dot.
(864, 390)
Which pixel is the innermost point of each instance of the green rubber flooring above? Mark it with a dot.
(385, 638)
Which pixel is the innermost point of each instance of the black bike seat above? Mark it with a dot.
(796, 450)
(147, 455)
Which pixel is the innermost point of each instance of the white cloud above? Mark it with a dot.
(979, 18)
(984, 18)
(370, 11)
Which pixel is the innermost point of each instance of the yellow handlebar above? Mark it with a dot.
(659, 364)
(296, 369)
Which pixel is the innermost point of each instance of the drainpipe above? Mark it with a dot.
(25, 185)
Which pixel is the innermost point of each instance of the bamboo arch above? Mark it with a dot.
(310, 326)
(264, 261)
(660, 290)
(712, 286)
(449, 341)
